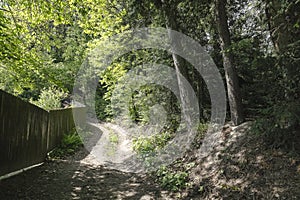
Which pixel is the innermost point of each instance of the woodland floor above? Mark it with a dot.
(241, 166)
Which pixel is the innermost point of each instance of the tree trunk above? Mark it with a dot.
(179, 63)
(233, 90)
(279, 32)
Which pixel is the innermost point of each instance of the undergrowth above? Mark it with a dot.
(172, 180)
(70, 143)
(279, 126)
(175, 176)
(144, 145)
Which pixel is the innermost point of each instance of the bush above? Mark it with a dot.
(201, 131)
(69, 145)
(50, 98)
(144, 145)
(113, 137)
(279, 125)
(172, 180)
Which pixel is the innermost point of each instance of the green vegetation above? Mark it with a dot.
(176, 178)
(254, 44)
(201, 131)
(50, 98)
(279, 125)
(111, 147)
(172, 180)
(113, 137)
(70, 143)
(150, 144)
(44, 46)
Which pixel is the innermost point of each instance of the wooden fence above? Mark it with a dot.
(28, 133)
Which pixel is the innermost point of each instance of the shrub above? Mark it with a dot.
(172, 180)
(279, 125)
(113, 137)
(70, 143)
(201, 131)
(50, 98)
(144, 145)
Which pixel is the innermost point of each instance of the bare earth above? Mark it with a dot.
(70, 179)
(240, 166)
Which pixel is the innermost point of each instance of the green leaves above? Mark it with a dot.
(172, 180)
(50, 98)
(71, 142)
(150, 144)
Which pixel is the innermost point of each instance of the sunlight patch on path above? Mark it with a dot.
(113, 148)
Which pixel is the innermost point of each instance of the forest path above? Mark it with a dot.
(74, 179)
(109, 146)
(244, 168)
(87, 174)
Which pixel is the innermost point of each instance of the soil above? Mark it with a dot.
(239, 166)
(244, 166)
(72, 179)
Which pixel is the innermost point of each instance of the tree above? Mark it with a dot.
(181, 69)
(233, 90)
(283, 20)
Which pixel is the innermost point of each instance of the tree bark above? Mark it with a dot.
(233, 90)
(179, 63)
(277, 23)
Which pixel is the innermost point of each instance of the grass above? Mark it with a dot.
(113, 137)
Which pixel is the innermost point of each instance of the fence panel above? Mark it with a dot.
(28, 133)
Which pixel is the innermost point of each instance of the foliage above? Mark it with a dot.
(142, 100)
(50, 98)
(279, 124)
(70, 143)
(107, 83)
(201, 132)
(145, 145)
(44, 43)
(113, 137)
(172, 180)
(146, 98)
(202, 128)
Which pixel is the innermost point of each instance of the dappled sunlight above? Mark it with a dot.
(112, 149)
(245, 168)
(101, 183)
(72, 179)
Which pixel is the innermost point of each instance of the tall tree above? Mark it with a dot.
(284, 26)
(170, 13)
(233, 90)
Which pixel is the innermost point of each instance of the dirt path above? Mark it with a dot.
(241, 167)
(86, 175)
(72, 179)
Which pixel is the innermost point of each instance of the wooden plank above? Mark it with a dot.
(28, 132)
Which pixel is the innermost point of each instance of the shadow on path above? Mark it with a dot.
(70, 179)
